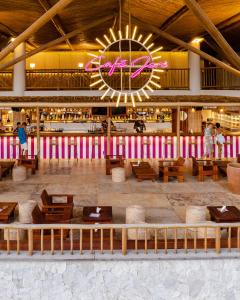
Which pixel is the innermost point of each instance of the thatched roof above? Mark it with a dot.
(170, 15)
(68, 100)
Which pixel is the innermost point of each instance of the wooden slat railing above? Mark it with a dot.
(6, 80)
(219, 79)
(77, 239)
(78, 79)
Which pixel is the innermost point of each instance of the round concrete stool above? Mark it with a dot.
(19, 173)
(195, 214)
(11, 234)
(118, 175)
(233, 174)
(25, 211)
(136, 215)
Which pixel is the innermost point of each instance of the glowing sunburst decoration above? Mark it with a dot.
(150, 63)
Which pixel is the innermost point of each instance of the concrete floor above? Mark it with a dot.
(164, 202)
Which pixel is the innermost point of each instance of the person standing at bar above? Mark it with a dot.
(18, 126)
(208, 139)
(220, 140)
(22, 135)
(139, 126)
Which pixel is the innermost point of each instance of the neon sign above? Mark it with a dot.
(123, 63)
(136, 66)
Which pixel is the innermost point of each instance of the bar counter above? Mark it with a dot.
(131, 146)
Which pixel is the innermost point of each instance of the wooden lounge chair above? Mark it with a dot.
(38, 217)
(48, 206)
(143, 171)
(6, 168)
(201, 170)
(30, 163)
(174, 169)
(113, 162)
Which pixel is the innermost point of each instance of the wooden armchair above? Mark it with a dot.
(113, 162)
(238, 158)
(49, 207)
(31, 162)
(201, 170)
(38, 217)
(174, 169)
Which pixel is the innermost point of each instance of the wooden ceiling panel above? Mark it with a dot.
(218, 11)
(20, 14)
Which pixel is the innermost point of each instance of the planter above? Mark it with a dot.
(233, 173)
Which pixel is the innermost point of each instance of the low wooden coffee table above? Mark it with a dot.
(7, 211)
(105, 214)
(143, 171)
(230, 216)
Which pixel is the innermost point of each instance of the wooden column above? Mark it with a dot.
(108, 131)
(38, 132)
(178, 131)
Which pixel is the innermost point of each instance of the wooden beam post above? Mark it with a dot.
(214, 32)
(54, 42)
(38, 132)
(109, 132)
(178, 131)
(181, 43)
(34, 27)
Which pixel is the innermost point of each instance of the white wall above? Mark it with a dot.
(121, 280)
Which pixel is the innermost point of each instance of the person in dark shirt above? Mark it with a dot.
(139, 126)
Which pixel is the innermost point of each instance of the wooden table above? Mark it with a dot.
(7, 211)
(105, 214)
(230, 216)
(143, 171)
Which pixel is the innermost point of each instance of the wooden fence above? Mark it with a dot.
(219, 79)
(78, 239)
(79, 79)
(6, 80)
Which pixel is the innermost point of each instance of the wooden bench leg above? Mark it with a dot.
(180, 178)
(165, 178)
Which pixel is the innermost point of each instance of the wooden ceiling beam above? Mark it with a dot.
(12, 33)
(34, 27)
(54, 42)
(181, 43)
(56, 21)
(174, 18)
(214, 32)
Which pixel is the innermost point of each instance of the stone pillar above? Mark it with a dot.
(19, 81)
(194, 69)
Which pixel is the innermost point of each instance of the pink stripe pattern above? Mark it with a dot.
(135, 147)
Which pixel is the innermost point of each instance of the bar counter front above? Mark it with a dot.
(79, 132)
(131, 146)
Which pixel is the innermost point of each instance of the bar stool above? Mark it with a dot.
(72, 144)
(53, 144)
(16, 144)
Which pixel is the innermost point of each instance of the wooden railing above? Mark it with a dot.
(113, 238)
(219, 79)
(6, 80)
(78, 79)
